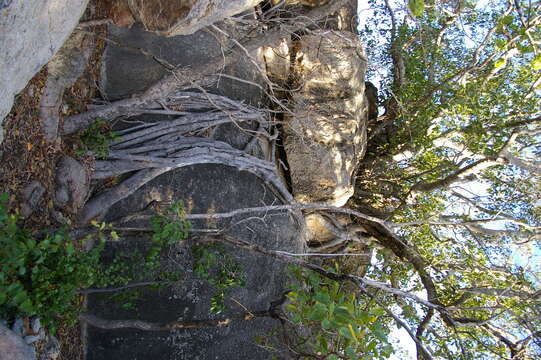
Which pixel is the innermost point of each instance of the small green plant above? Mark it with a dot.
(169, 227)
(215, 265)
(42, 277)
(97, 139)
(339, 327)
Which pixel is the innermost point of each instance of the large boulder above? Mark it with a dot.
(203, 189)
(184, 17)
(325, 137)
(126, 72)
(31, 32)
(12, 346)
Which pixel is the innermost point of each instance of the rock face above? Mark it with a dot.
(126, 71)
(31, 32)
(326, 136)
(12, 346)
(184, 17)
(203, 189)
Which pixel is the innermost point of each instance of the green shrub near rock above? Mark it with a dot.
(42, 277)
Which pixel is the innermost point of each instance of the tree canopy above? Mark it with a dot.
(453, 167)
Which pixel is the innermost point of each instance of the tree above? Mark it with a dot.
(454, 158)
(448, 194)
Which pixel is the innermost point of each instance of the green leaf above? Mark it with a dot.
(27, 306)
(417, 7)
(499, 63)
(318, 313)
(345, 332)
(342, 315)
(20, 297)
(326, 324)
(323, 298)
(536, 63)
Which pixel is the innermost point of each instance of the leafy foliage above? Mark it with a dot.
(340, 326)
(456, 168)
(169, 227)
(42, 277)
(97, 138)
(215, 265)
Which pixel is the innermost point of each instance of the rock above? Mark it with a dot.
(35, 325)
(71, 184)
(203, 188)
(63, 70)
(31, 32)
(30, 339)
(126, 72)
(12, 346)
(326, 136)
(32, 194)
(184, 17)
(18, 326)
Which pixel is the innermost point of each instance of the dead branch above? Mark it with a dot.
(184, 151)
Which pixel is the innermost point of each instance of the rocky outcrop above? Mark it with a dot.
(184, 17)
(326, 135)
(203, 188)
(31, 32)
(12, 346)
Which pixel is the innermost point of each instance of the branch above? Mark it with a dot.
(152, 326)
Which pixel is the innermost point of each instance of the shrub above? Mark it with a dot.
(97, 139)
(42, 277)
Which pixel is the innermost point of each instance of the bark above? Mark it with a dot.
(101, 203)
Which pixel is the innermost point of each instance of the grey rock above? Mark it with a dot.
(30, 339)
(18, 327)
(31, 32)
(3, 322)
(71, 184)
(12, 346)
(63, 70)
(126, 72)
(35, 324)
(203, 188)
(32, 194)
